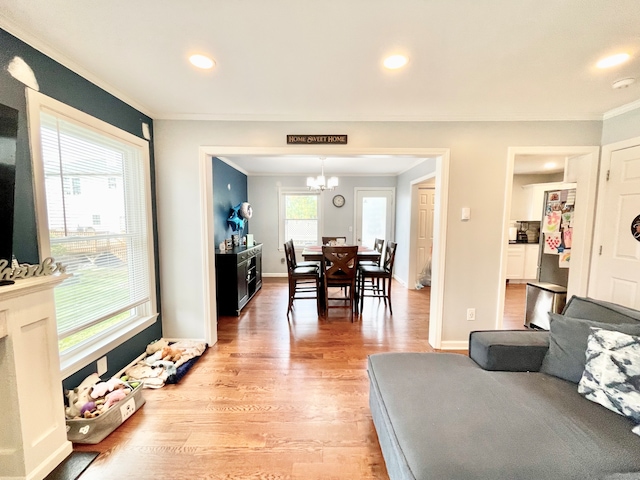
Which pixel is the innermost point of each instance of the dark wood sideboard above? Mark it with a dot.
(238, 277)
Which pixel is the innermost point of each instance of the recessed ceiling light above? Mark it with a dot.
(613, 60)
(395, 61)
(623, 83)
(202, 61)
(549, 165)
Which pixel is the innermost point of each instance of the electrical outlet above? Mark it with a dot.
(102, 366)
(471, 314)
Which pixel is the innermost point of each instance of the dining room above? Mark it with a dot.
(365, 197)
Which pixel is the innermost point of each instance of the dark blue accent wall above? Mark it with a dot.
(60, 83)
(229, 189)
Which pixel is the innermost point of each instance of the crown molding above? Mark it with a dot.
(620, 110)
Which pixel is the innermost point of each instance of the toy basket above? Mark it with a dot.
(94, 430)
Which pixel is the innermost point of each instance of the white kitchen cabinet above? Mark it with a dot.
(515, 262)
(522, 261)
(535, 197)
(531, 253)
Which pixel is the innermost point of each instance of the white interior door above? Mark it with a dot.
(617, 274)
(374, 215)
(424, 238)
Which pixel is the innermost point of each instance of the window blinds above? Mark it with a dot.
(96, 202)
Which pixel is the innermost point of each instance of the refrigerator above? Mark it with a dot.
(549, 292)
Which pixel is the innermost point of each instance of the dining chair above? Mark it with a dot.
(309, 263)
(339, 269)
(304, 280)
(378, 246)
(382, 272)
(333, 241)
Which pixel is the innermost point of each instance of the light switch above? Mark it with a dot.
(466, 213)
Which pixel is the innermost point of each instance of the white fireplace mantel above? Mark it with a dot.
(33, 437)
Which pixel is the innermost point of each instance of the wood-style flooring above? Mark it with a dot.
(273, 399)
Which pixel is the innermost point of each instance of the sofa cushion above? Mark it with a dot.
(508, 350)
(612, 373)
(568, 337)
(440, 416)
(600, 311)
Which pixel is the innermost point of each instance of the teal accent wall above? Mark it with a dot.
(60, 83)
(229, 189)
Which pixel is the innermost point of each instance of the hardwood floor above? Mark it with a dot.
(274, 399)
(514, 306)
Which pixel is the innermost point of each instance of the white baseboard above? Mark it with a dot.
(454, 345)
(400, 281)
(274, 275)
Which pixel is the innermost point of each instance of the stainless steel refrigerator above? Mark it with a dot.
(549, 293)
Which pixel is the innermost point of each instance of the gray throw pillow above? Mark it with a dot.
(599, 310)
(568, 338)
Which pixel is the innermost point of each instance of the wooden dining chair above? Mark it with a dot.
(339, 269)
(304, 280)
(309, 263)
(368, 275)
(378, 246)
(334, 241)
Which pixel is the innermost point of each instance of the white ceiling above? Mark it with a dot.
(308, 60)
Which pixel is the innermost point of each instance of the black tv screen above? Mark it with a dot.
(8, 141)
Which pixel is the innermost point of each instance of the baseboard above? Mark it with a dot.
(274, 275)
(400, 281)
(454, 345)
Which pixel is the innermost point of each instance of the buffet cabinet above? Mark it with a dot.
(238, 277)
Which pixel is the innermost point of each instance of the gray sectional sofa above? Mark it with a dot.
(511, 410)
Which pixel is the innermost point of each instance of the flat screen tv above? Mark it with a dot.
(8, 141)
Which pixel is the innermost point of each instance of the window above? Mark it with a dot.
(299, 217)
(102, 235)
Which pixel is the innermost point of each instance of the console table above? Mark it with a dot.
(33, 436)
(238, 277)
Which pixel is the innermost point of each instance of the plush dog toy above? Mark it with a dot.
(115, 396)
(171, 354)
(79, 396)
(156, 346)
(102, 388)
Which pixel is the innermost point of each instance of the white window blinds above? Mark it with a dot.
(97, 217)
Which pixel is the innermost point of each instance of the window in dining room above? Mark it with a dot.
(299, 217)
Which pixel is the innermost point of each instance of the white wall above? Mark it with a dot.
(263, 196)
(621, 127)
(477, 175)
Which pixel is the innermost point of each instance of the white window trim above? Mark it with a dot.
(288, 190)
(74, 360)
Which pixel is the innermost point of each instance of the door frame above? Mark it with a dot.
(208, 271)
(355, 209)
(607, 151)
(586, 173)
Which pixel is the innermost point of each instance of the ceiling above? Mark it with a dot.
(300, 60)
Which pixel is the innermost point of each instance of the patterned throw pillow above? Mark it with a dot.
(612, 373)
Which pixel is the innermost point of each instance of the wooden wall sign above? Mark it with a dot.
(316, 139)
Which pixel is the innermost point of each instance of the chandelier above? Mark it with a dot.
(320, 182)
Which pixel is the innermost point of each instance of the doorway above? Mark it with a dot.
(375, 215)
(441, 157)
(580, 167)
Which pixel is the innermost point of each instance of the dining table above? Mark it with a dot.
(313, 253)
